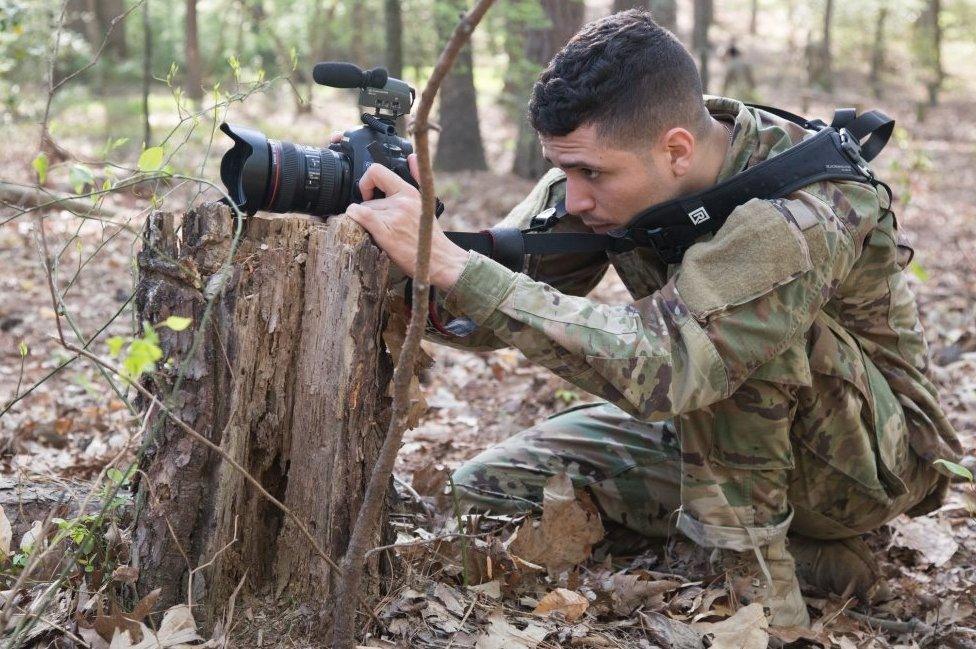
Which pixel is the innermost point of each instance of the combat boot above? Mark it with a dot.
(842, 567)
(769, 579)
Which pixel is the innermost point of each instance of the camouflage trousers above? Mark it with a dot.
(650, 479)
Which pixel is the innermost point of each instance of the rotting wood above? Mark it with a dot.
(288, 376)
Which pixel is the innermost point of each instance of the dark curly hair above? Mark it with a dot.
(624, 73)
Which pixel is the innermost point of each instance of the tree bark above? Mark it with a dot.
(288, 376)
(931, 21)
(664, 12)
(878, 52)
(194, 77)
(541, 43)
(820, 61)
(146, 74)
(393, 17)
(703, 16)
(107, 10)
(459, 145)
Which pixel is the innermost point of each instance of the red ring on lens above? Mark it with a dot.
(276, 165)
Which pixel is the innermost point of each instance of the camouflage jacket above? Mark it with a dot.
(754, 302)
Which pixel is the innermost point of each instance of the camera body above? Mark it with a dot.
(279, 176)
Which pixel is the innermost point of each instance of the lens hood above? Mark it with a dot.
(245, 168)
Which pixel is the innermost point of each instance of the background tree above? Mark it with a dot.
(459, 146)
(875, 77)
(928, 49)
(700, 46)
(819, 56)
(540, 43)
(194, 76)
(665, 12)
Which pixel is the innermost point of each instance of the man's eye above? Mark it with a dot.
(592, 174)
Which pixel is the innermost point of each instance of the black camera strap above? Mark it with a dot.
(834, 152)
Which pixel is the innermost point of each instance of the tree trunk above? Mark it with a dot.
(459, 146)
(146, 73)
(107, 11)
(664, 12)
(878, 52)
(820, 63)
(753, 16)
(703, 16)
(624, 5)
(359, 27)
(931, 21)
(541, 43)
(194, 78)
(394, 37)
(288, 376)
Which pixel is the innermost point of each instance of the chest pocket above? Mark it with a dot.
(850, 418)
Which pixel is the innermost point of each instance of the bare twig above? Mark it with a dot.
(422, 542)
(913, 625)
(368, 518)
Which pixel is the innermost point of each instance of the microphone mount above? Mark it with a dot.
(389, 97)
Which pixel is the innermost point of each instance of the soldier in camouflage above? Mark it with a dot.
(771, 384)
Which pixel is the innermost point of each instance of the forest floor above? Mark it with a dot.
(64, 431)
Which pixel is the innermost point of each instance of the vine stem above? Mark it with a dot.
(367, 521)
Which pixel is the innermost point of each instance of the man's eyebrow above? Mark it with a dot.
(572, 164)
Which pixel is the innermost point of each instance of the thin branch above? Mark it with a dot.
(367, 520)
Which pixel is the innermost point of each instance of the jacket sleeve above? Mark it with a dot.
(737, 301)
(570, 274)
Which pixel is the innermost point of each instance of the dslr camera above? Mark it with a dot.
(279, 176)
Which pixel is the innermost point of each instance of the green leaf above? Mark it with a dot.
(151, 159)
(919, 271)
(119, 142)
(950, 469)
(176, 323)
(107, 185)
(23, 349)
(143, 354)
(80, 177)
(115, 475)
(115, 344)
(40, 166)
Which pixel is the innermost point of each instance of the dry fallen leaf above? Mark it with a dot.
(930, 538)
(6, 534)
(500, 634)
(175, 631)
(568, 529)
(744, 630)
(430, 479)
(570, 603)
(628, 592)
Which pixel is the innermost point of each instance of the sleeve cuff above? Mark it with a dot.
(480, 288)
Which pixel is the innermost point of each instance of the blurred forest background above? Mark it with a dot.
(113, 105)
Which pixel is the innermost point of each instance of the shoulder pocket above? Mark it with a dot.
(756, 250)
(546, 191)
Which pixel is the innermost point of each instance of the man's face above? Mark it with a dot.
(605, 185)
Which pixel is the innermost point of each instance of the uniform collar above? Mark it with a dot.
(745, 133)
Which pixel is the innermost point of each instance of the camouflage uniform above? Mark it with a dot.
(774, 379)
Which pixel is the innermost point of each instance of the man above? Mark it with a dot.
(772, 382)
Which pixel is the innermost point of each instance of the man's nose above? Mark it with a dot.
(578, 200)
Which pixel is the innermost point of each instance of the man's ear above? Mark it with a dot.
(679, 145)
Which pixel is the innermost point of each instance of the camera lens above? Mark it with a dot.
(280, 176)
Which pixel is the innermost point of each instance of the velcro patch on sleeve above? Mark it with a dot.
(755, 251)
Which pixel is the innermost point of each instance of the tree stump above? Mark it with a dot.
(285, 369)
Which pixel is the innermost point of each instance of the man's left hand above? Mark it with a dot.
(394, 223)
